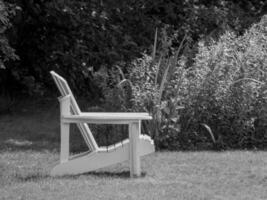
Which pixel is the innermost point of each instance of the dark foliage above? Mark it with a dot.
(74, 37)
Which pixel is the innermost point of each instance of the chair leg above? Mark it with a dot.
(64, 129)
(64, 147)
(134, 132)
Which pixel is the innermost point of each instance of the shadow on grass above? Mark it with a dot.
(37, 140)
(32, 177)
(18, 145)
(35, 177)
(102, 174)
(123, 174)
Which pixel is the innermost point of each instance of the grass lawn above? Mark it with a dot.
(29, 149)
(168, 175)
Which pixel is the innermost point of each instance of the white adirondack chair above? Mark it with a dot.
(98, 157)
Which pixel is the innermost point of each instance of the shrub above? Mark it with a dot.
(226, 89)
(154, 90)
(224, 93)
(7, 53)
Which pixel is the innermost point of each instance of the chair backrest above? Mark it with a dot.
(65, 90)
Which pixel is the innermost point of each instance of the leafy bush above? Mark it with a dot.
(147, 86)
(6, 51)
(226, 89)
(152, 88)
(223, 92)
(7, 54)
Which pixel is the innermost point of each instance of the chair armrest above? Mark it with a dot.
(106, 118)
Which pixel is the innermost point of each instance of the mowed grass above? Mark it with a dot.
(168, 175)
(29, 143)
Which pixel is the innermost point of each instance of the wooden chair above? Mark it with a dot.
(98, 157)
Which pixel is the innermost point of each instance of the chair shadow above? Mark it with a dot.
(123, 174)
(102, 174)
(32, 177)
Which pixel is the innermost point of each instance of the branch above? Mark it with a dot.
(248, 79)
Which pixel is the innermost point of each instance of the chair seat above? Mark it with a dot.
(114, 146)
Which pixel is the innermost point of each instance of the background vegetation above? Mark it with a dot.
(157, 56)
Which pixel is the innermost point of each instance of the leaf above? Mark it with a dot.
(166, 110)
(174, 119)
(2, 66)
(155, 45)
(157, 72)
(163, 81)
(209, 131)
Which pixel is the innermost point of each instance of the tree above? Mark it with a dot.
(78, 37)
